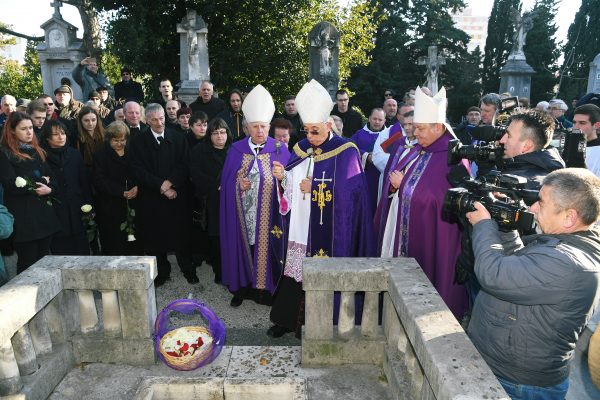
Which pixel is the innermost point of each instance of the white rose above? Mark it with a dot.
(86, 208)
(130, 238)
(20, 182)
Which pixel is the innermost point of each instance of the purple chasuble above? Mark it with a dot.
(420, 230)
(242, 268)
(365, 140)
(340, 220)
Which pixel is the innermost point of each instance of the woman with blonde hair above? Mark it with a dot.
(115, 191)
(28, 186)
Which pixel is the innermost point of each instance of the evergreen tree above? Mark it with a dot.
(405, 34)
(583, 44)
(249, 42)
(393, 64)
(499, 42)
(541, 51)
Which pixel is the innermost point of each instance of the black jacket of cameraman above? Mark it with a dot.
(534, 166)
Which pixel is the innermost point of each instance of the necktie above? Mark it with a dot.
(160, 139)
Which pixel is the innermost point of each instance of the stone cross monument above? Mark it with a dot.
(433, 63)
(516, 73)
(193, 58)
(324, 54)
(594, 76)
(60, 52)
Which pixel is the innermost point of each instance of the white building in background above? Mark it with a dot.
(474, 25)
(15, 51)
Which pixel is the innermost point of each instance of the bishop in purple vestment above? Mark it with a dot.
(252, 248)
(409, 218)
(324, 193)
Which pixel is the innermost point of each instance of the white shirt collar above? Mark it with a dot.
(156, 135)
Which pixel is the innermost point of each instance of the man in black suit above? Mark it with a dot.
(159, 160)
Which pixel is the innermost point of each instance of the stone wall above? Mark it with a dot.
(423, 349)
(50, 319)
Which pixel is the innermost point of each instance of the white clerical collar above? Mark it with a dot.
(253, 146)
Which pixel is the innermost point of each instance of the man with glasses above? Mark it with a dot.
(352, 119)
(49, 104)
(128, 89)
(325, 193)
(557, 109)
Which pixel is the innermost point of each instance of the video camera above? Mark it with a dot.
(511, 213)
(571, 144)
(486, 151)
(483, 152)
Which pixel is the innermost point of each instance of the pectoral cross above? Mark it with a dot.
(57, 5)
(322, 196)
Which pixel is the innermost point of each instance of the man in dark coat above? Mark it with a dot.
(133, 115)
(206, 102)
(352, 119)
(128, 89)
(159, 159)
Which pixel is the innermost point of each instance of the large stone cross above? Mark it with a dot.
(57, 5)
(433, 62)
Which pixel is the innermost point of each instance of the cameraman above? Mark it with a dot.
(538, 294)
(526, 151)
(525, 154)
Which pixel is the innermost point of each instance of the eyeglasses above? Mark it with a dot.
(119, 141)
(387, 94)
(219, 132)
(48, 104)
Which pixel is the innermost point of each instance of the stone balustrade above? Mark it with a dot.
(67, 310)
(424, 352)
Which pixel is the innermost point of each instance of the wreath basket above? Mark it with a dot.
(188, 347)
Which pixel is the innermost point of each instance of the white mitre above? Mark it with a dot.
(431, 110)
(258, 105)
(313, 103)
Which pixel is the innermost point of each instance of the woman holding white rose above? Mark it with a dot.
(73, 191)
(28, 187)
(115, 191)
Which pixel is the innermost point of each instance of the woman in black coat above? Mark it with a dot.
(206, 165)
(115, 187)
(73, 191)
(29, 203)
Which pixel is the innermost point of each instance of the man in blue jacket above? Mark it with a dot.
(537, 294)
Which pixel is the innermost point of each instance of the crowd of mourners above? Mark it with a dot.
(252, 192)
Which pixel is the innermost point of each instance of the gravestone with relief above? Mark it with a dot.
(324, 54)
(60, 52)
(193, 58)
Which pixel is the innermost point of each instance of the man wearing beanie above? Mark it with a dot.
(128, 89)
(324, 170)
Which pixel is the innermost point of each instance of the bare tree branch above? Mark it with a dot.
(21, 35)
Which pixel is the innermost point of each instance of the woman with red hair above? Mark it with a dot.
(27, 183)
